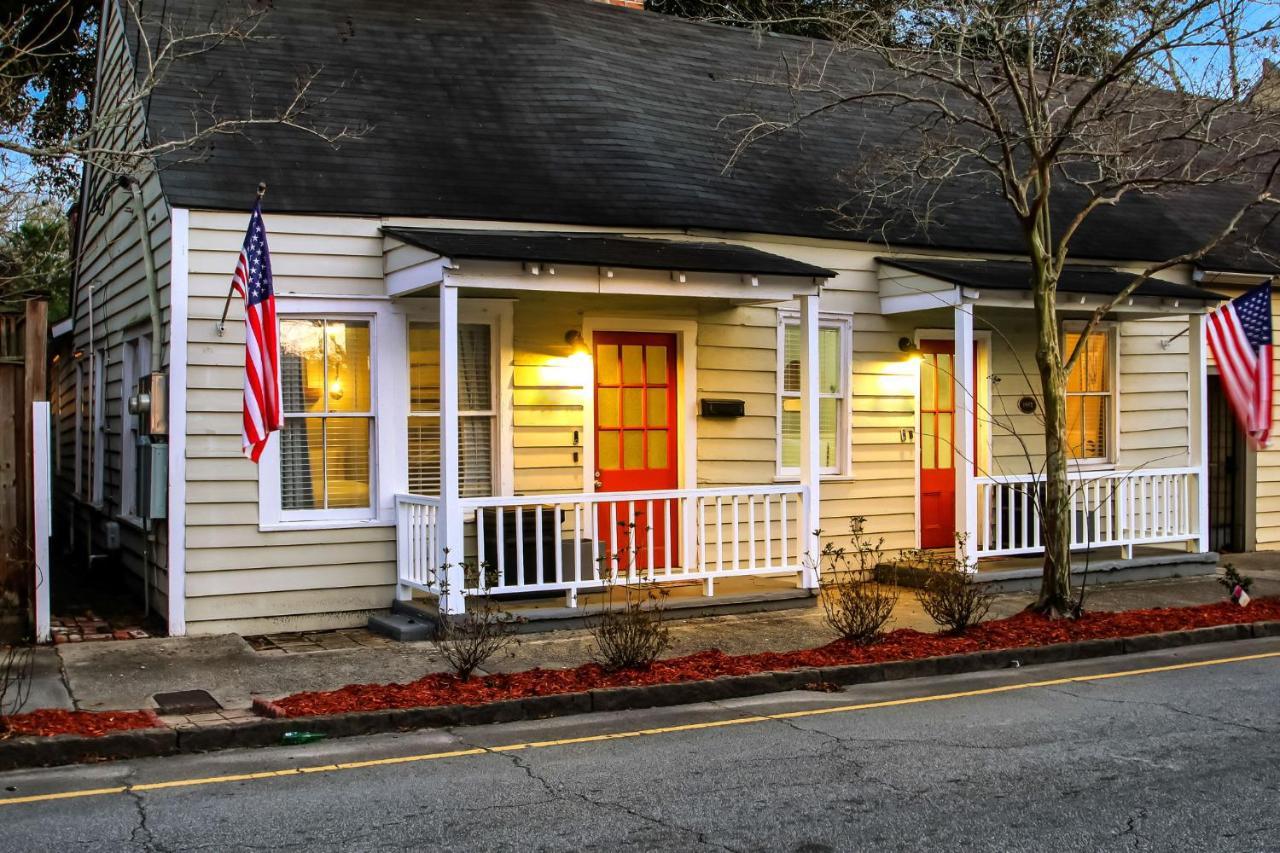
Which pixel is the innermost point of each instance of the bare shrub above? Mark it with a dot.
(469, 640)
(948, 594)
(856, 602)
(629, 631)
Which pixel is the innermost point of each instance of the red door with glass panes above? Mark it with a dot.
(636, 446)
(937, 429)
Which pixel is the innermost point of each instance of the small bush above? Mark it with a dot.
(856, 604)
(949, 596)
(468, 641)
(632, 633)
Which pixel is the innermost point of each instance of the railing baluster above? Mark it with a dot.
(667, 545)
(613, 551)
(648, 523)
(782, 518)
(719, 535)
(751, 532)
(577, 542)
(702, 535)
(736, 546)
(768, 533)
(538, 562)
(500, 544)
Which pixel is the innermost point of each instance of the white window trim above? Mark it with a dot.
(844, 435)
(1111, 330)
(390, 367)
(497, 315)
(129, 423)
(78, 455)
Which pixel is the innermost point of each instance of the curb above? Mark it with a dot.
(147, 743)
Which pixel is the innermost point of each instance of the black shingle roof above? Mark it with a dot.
(565, 111)
(1016, 275)
(609, 250)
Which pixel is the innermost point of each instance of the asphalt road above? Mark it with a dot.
(1173, 759)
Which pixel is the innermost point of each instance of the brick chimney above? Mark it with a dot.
(626, 4)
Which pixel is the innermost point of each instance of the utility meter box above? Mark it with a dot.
(153, 478)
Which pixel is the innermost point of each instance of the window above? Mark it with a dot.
(98, 402)
(326, 444)
(1090, 402)
(136, 365)
(477, 409)
(833, 395)
(78, 454)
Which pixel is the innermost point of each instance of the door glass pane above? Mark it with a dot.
(928, 440)
(945, 453)
(946, 364)
(302, 365)
(929, 381)
(829, 361)
(658, 448)
(348, 351)
(632, 400)
(609, 451)
(424, 368)
(607, 402)
(655, 365)
(633, 449)
(424, 455)
(828, 419)
(656, 407)
(632, 364)
(302, 464)
(347, 462)
(607, 365)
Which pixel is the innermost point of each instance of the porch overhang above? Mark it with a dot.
(416, 260)
(918, 284)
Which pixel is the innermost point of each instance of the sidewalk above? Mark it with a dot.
(102, 676)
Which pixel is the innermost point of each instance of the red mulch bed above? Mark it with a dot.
(1020, 631)
(85, 723)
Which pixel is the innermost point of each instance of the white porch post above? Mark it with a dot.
(450, 518)
(1198, 428)
(965, 449)
(810, 463)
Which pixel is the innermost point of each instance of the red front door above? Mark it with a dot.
(937, 461)
(636, 446)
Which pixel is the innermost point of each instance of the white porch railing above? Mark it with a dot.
(1111, 508)
(569, 542)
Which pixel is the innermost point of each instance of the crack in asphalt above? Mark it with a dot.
(1209, 718)
(565, 795)
(141, 834)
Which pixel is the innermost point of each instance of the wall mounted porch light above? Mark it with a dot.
(910, 351)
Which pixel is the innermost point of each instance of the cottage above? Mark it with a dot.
(528, 321)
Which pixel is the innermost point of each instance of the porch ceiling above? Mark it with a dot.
(944, 282)
(607, 250)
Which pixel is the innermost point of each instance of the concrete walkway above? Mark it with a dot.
(125, 675)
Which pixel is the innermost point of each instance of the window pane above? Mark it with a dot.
(791, 357)
(424, 455)
(347, 462)
(609, 451)
(655, 369)
(607, 407)
(302, 365)
(1094, 427)
(348, 383)
(302, 464)
(658, 448)
(656, 407)
(790, 435)
(1096, 372)
(631, 407)
(475, 368)
(1075, 379)
(829, 361)
(475, 443)
(828, 422)
(633, 449)
(632, 364)
(424, 368)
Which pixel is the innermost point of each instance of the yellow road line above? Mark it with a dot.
(608, 736)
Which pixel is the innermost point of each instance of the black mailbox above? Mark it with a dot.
(723, 408)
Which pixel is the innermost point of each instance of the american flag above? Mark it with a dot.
(262, 411)
(1240, 338)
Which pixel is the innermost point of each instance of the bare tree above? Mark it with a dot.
(993, 100)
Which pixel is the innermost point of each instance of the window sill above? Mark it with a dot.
(323, 524)
(132, 521)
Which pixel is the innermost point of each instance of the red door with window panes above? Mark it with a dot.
(937, 430)
(636, 445)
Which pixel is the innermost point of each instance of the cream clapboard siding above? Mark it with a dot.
(110, 275)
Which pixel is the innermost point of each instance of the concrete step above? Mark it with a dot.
(402, 627)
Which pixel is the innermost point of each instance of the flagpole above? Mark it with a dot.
(222, 324)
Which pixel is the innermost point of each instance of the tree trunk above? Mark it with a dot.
(1055, 509)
